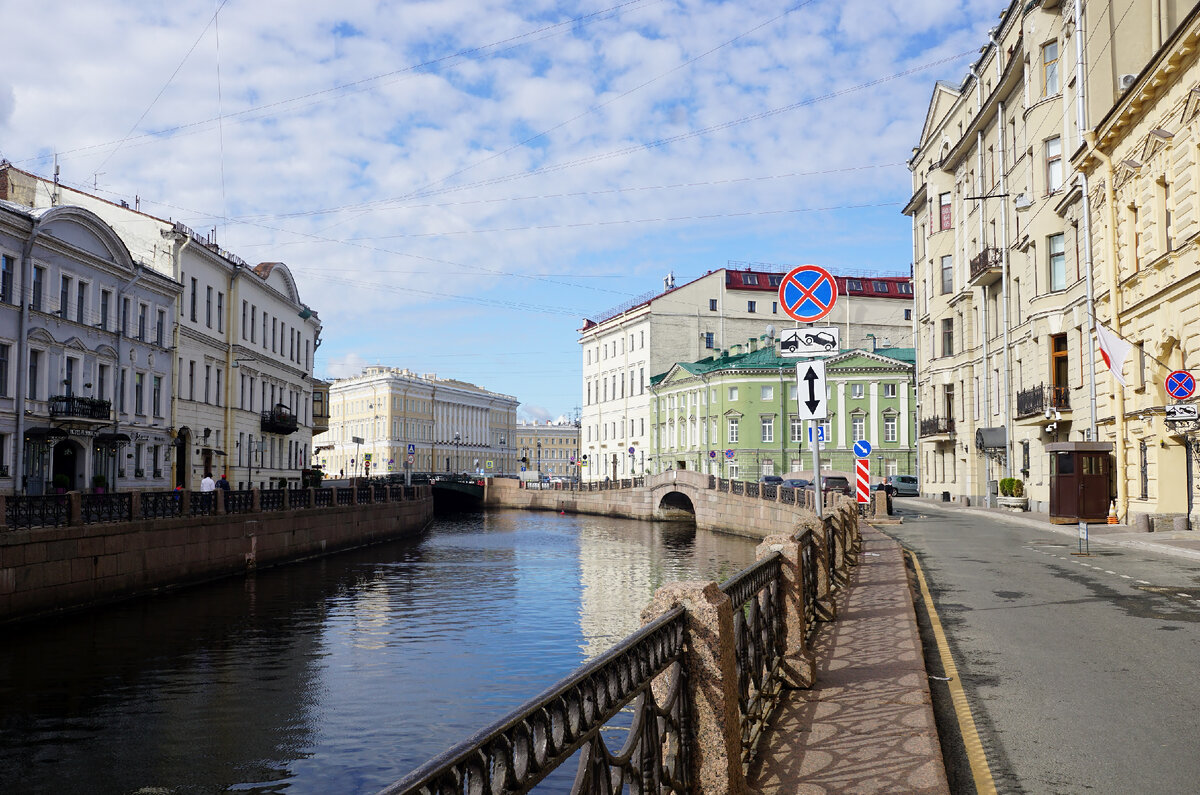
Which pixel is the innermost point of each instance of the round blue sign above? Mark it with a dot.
(1181, 385)
(729, 454)
(862, 448)
(712, 453)
(808, 293)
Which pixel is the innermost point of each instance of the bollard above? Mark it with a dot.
(799, 664)
(711, 667)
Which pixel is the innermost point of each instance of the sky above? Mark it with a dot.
(457, 185)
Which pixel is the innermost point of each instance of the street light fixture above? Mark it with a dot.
(539, 462)
(457, 446)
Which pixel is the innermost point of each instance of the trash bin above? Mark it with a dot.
(945, 496)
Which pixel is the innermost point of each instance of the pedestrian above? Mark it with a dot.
(223, 483)
(208, 484)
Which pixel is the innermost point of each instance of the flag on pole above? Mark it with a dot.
(1114, 351)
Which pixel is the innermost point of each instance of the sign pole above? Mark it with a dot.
(819, 496)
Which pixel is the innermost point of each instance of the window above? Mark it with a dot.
(1060, 373)
(191, 380)
(253, 323)
(768, 429)
(221, 312)
(139, 388)
(904, 288)
(948, 337)
(33, 374)
(879, 287)
(125, 316)
(156, 396)
(208, 306)
(858, 427)
(1057, 265)
(908, 314)
(207, 378)
(889, 428)
(81, 302)
(64, 299)
(708, 340)
(69, 381)
(774, 307)
(947, 274)
(102, 380)
(1054, 167)
(1049, 69)
(750, 278)
(751, 306)
(767, 393)
(733, 430)
(775, 280)
(853, 284)
(39, 279)
(6, 278)
(193, 300)
(105, 298)
(142, 311)
(944, 202)
(160, 327)
(857, 390)
(121, 390)
(4, 354)
(797, 426)
(733, 393)
(889, 390)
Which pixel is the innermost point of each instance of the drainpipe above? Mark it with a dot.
(230, 336)
(177, 256)
(1115, 300)
(1080, 119)
(23, 350)
(1008, 442)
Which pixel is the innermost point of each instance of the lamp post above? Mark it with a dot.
(539, 462)
(457, 445)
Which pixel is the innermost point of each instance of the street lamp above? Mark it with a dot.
(457, 445)
(539, 462)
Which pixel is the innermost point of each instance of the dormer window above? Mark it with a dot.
(854, 284)
(750, 278)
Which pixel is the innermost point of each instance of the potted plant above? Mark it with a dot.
(99, 482)
(62, 483)
(1012, 495)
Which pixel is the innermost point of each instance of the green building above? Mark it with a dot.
(734, 415)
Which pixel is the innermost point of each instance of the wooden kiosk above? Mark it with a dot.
(1081, 481)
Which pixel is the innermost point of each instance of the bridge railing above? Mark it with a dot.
(677, 676)
(22, 512)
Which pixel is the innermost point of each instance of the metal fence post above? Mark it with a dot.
(712, 682)
(799, 664)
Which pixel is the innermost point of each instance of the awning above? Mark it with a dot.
(214, 451)
(991, 438)
(111, 439)
(47, 435)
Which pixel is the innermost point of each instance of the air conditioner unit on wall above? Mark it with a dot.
(1125, 82)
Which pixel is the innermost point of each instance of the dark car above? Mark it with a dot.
(775, 480)
(834, 483)
(796, 483)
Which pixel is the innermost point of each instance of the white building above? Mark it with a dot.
(452, 426)
(244, 344)
(624, 348)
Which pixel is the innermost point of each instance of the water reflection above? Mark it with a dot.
(337, 675)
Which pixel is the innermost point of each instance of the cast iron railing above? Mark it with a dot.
(48, 510)
(239, 501)
(770, 491)
(986, 260)
(751, 489)
(932, 426)
(97, 508)
(808, 566)
(278, 420)
(271, 499)
(74, 406)
(1039, 398)
(722, 485)
(787, 495)
(521, 749)
(363, 495)
(345, 496)
(737, 487)
(204, 503)
(325, 498)
(758, 645)
(161, 504)
(297, 498)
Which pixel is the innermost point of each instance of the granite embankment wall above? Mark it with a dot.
(49, 570)
(722, 511)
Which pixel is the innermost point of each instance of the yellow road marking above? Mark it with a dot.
(980, 772)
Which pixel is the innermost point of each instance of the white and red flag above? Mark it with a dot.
(1114, 351)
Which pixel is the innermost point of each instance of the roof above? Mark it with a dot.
(768, 359)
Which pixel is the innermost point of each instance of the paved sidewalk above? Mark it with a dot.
(867, 726)
(1184, 544)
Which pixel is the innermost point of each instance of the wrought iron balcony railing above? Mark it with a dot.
(279, 420)
(80, 407)
(934, 426)
(1040, 398)
(990, 260)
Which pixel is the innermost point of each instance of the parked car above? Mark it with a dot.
(796, 483)
(831, 483)
(904, 485)
(771, 479)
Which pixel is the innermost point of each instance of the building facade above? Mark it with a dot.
(551, 448)
(452, 426)
(85, 356)
(735, 416)
(1009, 247)
(626, 347)
(244, 344)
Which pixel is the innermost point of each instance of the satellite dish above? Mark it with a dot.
(771, 332)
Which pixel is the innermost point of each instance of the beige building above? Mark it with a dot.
(452, 426)
(624, 348)
(1143, 169)
(1008, 244)
(551, 448)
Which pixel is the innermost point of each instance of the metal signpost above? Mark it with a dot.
(1084, 548)
(813, 406)
(862, 470)
(412, 451)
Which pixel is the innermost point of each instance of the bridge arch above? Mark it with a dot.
(675, 505)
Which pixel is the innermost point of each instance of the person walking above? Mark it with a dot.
(208, 484)
(223, 483)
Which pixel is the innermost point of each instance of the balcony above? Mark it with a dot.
(279, 420)
(80, 408)
(987, 266)
(1041, 399)
(937, 426)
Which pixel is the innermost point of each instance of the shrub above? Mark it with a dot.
(1012, 487)
(62, 482)
(1018, 487)
(99, 481)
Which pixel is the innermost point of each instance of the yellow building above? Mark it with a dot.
(549, 448)
(451, 426)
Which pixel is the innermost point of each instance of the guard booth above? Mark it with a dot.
(1081, 481)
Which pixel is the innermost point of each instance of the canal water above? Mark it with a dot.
(337, 675)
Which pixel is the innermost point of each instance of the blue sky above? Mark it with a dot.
(456, 185)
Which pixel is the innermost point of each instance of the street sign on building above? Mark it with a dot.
(729, 454)
(807, 293)
(813, 341)
(1181, 385)
(1183, 412)
(811, 400)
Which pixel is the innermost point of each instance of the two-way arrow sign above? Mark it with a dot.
(810, 376)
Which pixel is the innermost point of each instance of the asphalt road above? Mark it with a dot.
(1081, 672)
